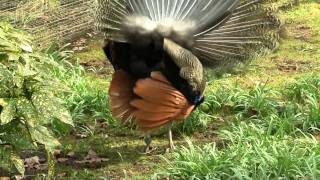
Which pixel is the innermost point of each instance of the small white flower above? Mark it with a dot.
(27, 48)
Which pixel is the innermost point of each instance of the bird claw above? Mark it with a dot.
(171, 148)
(149, 150)
(171, 143)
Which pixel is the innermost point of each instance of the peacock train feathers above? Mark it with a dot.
(218, 32)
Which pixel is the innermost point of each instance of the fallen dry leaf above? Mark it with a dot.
(92, 159)
(18, 177)
(61, 175)
(57, 153)
(62, 160)
(33, 162)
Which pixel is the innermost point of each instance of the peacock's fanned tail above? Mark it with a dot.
(218, 32)
(170, 18)
(252, 30)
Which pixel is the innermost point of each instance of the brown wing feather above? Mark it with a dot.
(155, 91)
(160, 103)
(151, 116)
(152, 107)
(157, 75)
(120, 95)
(147, 125)
(153, 102)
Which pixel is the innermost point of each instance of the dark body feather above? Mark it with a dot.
(139, 61)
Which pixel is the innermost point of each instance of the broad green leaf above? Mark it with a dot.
(65, 117)
(18, 81)
(17, 135)
(50, 107)
(3, 102)
(26, 71)
(42, 135)
(5, 158)
(26, 110)
(18, 163)
(45, 105)
(8, 113)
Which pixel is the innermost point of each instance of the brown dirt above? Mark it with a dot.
(290, 65)
(301, 32)
(99, 67)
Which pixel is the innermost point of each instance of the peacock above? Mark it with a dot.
(161, 49)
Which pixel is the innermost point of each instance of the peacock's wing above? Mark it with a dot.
(120, 95)
(159, 103)
(152, 102)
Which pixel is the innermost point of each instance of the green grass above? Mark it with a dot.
(249, 154)
(87, 94)
(88, 98)
(94, 51)
(268, 136)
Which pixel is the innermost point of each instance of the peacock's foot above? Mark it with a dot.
(149, 149)
(171, 144)
(171, 148)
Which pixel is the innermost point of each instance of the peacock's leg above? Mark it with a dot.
(148, 141)
(171, 144)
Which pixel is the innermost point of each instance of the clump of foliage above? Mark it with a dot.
(304, 87)
(251, 154)
(28, 98)
(87, 96)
